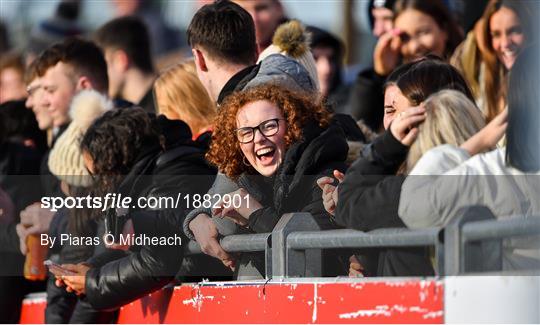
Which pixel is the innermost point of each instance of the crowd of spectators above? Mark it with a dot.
(444, 118)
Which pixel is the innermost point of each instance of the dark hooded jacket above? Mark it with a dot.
(369, 199)
(19, 167)
(294, 186)
(180, 169)
(19, 170)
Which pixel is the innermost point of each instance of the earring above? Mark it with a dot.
(245, 162)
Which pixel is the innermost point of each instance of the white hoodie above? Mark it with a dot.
(457, 180)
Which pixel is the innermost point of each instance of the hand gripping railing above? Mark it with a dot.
(241, 244)
(471, 242)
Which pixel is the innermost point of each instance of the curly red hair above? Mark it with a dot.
(297, 108)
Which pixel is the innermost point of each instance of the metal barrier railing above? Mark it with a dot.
(482, 230)
(236, 244)
(346, 238)
(473, 239)
(472, 242)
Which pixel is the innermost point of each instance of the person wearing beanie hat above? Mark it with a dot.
(381, 16)
(66, 161)
(292, 40)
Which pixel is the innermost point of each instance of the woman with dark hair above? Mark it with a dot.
(506, 180)
(417, 80)
(491, 48)
(273, 143)
(420, 28)
(367, 198)
(132, 153)
(111, 160)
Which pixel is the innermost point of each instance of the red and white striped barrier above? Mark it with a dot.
(411, 300)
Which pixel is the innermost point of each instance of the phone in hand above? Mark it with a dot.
(57, 269)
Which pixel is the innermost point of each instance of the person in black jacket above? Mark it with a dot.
(124, 149)
(368, 197)
(275, 143)
(420, 28)
(18, 166)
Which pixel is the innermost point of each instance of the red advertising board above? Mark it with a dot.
(389, 301)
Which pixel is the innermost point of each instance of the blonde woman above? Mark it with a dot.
(451, 118)
(372, 184)
(181, 96)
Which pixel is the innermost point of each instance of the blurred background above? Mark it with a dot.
(27, 25)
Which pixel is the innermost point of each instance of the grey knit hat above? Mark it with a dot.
(65, 160)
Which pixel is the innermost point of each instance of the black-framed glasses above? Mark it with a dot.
(267, 128)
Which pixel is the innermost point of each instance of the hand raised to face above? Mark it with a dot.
(405, 126)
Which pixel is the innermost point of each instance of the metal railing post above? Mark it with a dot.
(439, 254)
(461, 256)
(292, 263)
(268, 257)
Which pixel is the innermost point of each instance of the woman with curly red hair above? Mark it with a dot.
(274, 144)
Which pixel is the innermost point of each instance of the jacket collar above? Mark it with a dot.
(237, 82)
